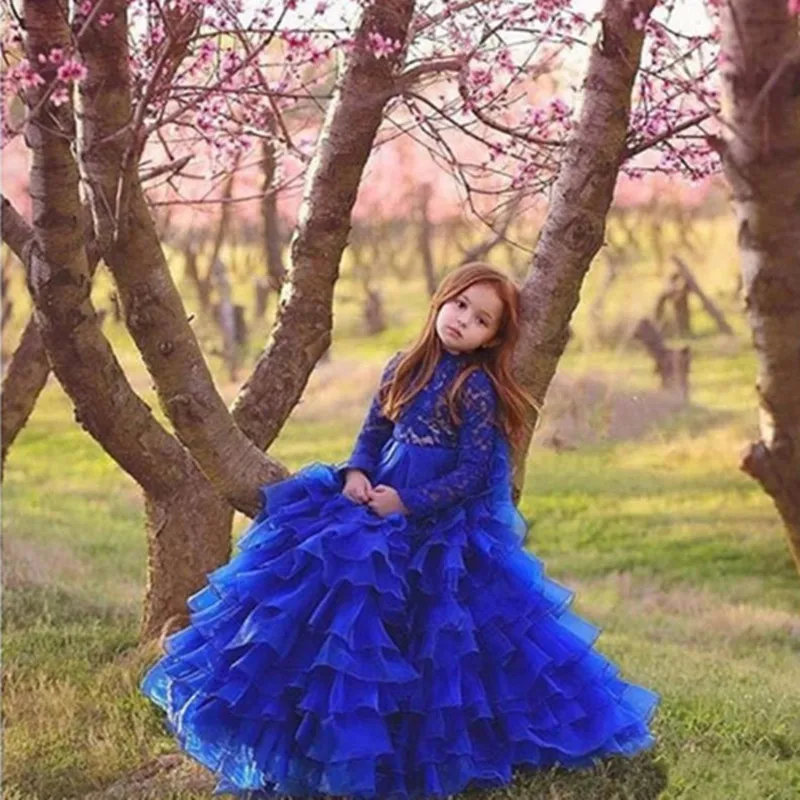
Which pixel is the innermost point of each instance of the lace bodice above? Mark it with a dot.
(426, 422)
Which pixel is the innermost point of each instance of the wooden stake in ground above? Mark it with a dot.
(693, 286)
(671, 365)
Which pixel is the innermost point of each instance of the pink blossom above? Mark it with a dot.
(480, 76)
(85, 7)
(794, 6)
(105, 20)
(56, 55)
(25, 76)
(383, 46)
(59, 96)
(71, 70)
(639, 21)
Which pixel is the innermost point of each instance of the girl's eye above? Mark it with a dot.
(482, 322)
(460, 303)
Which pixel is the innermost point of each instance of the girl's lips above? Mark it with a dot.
(453, 332)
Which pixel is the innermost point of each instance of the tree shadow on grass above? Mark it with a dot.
(175, 776)
(641, 777)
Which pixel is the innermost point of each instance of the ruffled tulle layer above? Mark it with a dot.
(339, 653)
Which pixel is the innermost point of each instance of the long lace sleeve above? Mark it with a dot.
(475, 444)
(375, 430)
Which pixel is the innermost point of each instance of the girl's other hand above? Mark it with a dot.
(385, 500)
(357, 486)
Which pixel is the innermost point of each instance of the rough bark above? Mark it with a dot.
(59, 280)
(27, 372)
(188, 536)
(302, 331)
(761, 159)
(575, 225)
(7, 312)
(23, 381)
(153, 308)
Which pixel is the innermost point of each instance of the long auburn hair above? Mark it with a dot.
(417, 364)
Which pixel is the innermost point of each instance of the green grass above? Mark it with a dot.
(675, 553)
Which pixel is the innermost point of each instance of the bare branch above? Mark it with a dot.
(667, 134)
(434, 66)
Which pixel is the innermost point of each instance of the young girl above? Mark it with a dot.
(381, 632)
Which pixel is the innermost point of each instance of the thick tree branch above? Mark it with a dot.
(575, 225)
(303, 328)
(16, 231)
(154, 311)
(27, 372)
(59, 280)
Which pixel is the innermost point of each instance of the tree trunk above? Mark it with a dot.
(202, 285)
(671, 365)
(273, 244)
(225, 314)
(575, 225)
(676, 294)
(25, 377)
(708, 304)
(424, 236)
(8, 306)
(105, 405)
(188, 536)
(153, 308)
(26, 374)
(761, 159)
(223, 228)
(302, 332)
(597, 307)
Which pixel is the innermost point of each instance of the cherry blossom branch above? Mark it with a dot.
(513, 132)
(171, 167)
(433, 67)
(635, 150)
(423, 23)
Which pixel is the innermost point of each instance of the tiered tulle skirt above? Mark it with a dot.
(340, 653)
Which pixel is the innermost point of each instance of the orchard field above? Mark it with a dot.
(635, 501)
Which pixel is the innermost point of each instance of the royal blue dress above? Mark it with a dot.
(342, 653)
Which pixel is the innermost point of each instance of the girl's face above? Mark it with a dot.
(470, 319)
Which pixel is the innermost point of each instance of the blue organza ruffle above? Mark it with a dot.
(340, 653)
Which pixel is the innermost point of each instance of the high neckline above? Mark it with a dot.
(447, 357)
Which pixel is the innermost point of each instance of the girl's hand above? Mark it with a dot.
(385, 500)
(357, 486)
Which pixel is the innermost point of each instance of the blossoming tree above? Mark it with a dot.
(102, 86)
